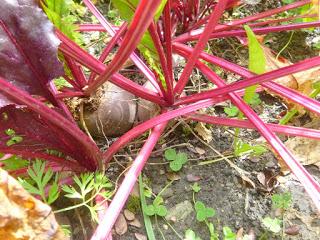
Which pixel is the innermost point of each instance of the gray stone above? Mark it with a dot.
(180, 211)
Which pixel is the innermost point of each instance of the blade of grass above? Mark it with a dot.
(146, 218)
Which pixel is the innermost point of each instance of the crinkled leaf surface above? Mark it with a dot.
(39, 136)
(28, 47)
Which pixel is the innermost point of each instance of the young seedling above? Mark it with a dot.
(14, 139)
(88, 187)
(228, 234)
(40, 178)
(191, 235)
(282, 202)
(231, 111)
(156, 208)
(243, 148)
(203, 212)
(177, 160)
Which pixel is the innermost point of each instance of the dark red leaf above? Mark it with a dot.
(28, 48)
(35, 134)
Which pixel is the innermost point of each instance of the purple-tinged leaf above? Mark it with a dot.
(22, 130)
(28, 48)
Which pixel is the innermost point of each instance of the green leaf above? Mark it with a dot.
(190, 235)
(196, 188)
(161, 211)
(29, 187)
(210, 212)
(273, 225)
(150, 210)
(10, 132)
(258, 150)
(282, 201)
(231, 111)
(175, 166)
(182, 158)
(255, 100)
(257, 61)
(53, 193)
(170, 154)
(158, 201)
(201, 216)
(14, 140)
(199, 206)
(228, 234)
(14, 163)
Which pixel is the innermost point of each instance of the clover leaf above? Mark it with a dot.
(177, 160)
(203, 212)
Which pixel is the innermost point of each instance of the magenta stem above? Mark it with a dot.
(203, 39)
(120, 198)
(282, 129)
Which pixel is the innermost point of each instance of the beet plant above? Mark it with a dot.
(35, 121)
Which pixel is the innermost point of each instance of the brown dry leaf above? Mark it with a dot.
(121, 225)
(173, 176)
(140, 236)
(129, 215)
(307, 151)
(136, 223)
(200, 151)
(203, 132)
(301, 81)
(22, 216)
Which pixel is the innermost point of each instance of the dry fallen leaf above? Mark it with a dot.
(301, 81)
(136, 223)
(307, 151)
(203, 132)
(22, 216)
(129, 215)
(140, 236)
(121, 225)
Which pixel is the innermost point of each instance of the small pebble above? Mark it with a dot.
(192, 178)
(292, 230)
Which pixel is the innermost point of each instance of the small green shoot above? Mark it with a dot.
(243, 148)
(203, 212)
(229, 234)
(156, 208)
(282, 201)
(177, 160)
(196, 188)
(39, 181)
(191, 235)
(88, 186)
(231, 111)
(14, 139)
